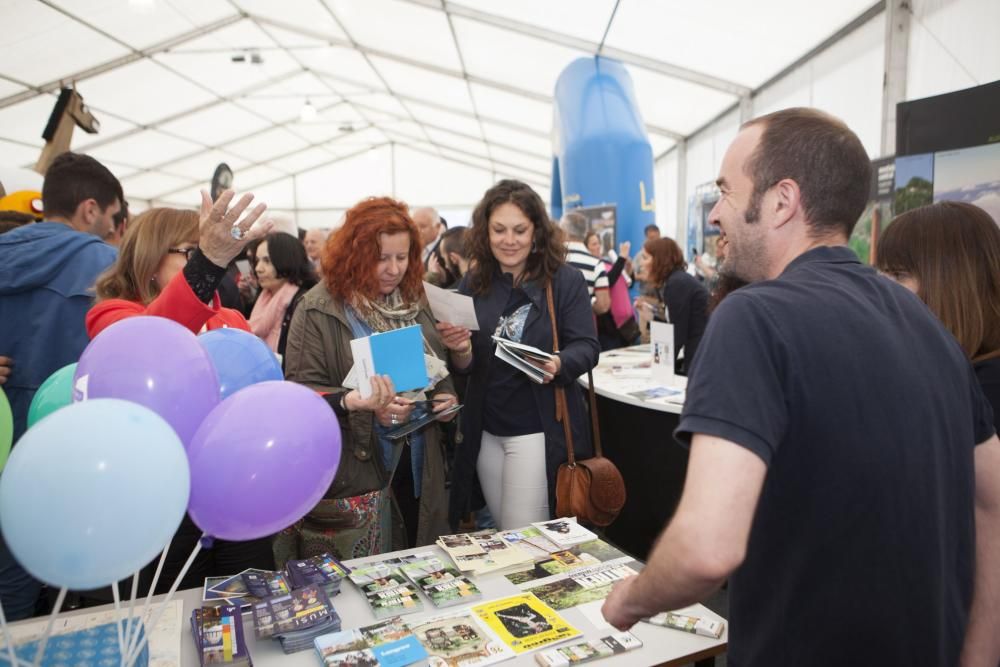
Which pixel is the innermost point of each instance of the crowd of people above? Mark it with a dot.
(841, 426)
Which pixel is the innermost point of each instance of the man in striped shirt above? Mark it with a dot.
(575, 226)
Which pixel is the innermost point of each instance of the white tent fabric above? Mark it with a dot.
(431, 101)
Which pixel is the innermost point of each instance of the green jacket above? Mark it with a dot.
(318, 355)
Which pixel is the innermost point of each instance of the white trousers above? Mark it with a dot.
(512, 474)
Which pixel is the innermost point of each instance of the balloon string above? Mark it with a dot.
(131, 609)
(118, 618)
(14, 662)
(162, 606)
(149, 596)
(48, 628)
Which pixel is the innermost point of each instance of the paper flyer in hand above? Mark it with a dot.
(398, 353)
(451, 307)
(524, 622)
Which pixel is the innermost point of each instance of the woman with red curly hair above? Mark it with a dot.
(388, 494)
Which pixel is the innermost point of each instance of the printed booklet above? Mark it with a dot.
(588, 651)
(580, 586)
(524, 623)
(386, 644)
(443, 585)
(459, 640)
(565, 531)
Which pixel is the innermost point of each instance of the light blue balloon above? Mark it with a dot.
(240, 358)
(93, 492)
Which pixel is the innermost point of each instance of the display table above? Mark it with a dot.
(661, 646)
(637, 435)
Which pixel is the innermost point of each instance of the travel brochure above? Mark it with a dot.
(218, 636)
(524, 623)
(524, 358)
(323, 570)
(579, 586)
(689, 621)
(295, 619)
(482, 552)
(589, 650)
(565, 531)
(386, 644)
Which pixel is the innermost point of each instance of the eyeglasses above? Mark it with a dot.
(187, 252)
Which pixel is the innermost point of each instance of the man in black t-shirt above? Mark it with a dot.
(844, 471)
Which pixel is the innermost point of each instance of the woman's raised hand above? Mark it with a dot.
(223, 234)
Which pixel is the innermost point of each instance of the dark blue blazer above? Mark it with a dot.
(578, 351)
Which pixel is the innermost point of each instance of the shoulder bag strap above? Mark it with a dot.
(562, 414)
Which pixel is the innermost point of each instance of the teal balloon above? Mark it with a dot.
(56, 392)
(93, 493)
(6, 428)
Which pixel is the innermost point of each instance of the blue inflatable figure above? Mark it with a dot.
(602, 152)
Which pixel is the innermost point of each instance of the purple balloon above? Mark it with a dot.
(154, 362)
(262, 459)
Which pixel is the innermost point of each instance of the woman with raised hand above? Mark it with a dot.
(511, 438)
(170, 263)
(388, 494)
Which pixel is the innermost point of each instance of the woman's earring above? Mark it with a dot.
(534, 246)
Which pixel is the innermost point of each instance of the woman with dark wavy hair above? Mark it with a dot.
(511, 438)
(284, 274)
(388, 494)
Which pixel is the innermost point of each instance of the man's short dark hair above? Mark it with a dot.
(822, 155)
(650, 228)
(73, 178)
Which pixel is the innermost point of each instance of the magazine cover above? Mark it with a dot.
(386, 644)
(459, 640)
(524, 623)
(581, 586)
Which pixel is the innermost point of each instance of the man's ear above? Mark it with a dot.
(787, 201)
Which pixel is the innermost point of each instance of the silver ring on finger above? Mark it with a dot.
(238, 232)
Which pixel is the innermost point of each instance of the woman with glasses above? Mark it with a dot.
(171, 262)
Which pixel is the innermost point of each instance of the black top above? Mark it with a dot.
(687, 309)
(510, 409)
(866, 412)
(988, 373)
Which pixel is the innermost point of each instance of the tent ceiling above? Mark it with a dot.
(412, 96)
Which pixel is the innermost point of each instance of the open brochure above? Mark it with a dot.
(523, 358)
(580, 586)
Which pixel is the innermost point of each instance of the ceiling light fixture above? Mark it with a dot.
(308, 112)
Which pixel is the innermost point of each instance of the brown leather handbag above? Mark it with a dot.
(591, 489)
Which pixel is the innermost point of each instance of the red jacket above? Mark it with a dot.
(176, 302)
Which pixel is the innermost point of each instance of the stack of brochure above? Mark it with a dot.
(524, 358)
(443, 585)
(323, 570)
(295, 619)
(482, 552)
(565, 532)
(386, 590)
(218, 636)
(250, 586)
(386, 644)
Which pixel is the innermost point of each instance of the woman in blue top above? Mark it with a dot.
(511, 439)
